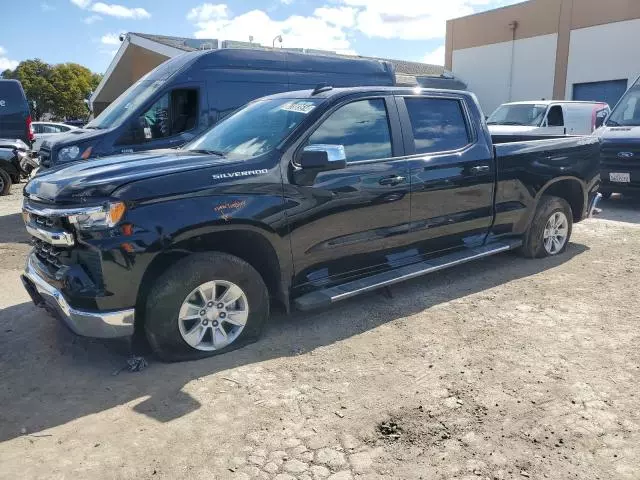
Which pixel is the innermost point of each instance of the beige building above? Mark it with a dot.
(551, 49)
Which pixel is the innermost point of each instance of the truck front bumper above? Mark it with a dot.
(108, 324)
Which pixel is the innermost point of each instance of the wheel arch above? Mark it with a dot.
(243, 241)
(10, 168)
(571, 189)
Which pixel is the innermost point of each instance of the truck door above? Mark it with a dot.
(354, 221)
(172, 119)
(452, 173)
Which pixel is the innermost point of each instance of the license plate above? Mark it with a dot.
(620, 177)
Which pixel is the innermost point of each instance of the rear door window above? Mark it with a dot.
(438, 124)
(362, 127)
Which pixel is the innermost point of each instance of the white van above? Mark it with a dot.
(547, 117)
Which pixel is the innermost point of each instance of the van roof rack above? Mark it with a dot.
(321, 87)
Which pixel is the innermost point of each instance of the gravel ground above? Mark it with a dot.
(506, 368)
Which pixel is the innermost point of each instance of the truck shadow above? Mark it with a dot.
(620, 208)
(12, 229)
(50, 377)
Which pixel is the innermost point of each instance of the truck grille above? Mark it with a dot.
(609, 156)
(46, 222)
(47, 254)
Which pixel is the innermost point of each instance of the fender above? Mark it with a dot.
(545, 188)
(253, 241)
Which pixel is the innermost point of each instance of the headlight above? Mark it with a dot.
(97, 218)
(69, 153)
(73, 153)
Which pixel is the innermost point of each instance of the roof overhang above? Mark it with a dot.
(122, 69)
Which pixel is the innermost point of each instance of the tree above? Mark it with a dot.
(60, 90)
(35, 78)
(73, 84)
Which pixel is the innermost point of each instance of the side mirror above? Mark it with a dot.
(600, 120)
(323, 157)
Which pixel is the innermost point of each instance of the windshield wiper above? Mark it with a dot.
(612, 123)
(207, 152)
(92, 128)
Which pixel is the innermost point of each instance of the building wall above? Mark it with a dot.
(604, 52)
(595, 41)
(488, 72)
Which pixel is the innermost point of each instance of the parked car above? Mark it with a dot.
(620, 154)
(544, 118)
(15, 117)
(15, 163)
(306, 197)
(46, 131)
(76, 123)
(189, 93)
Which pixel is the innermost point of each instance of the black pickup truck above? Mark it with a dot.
(305, 198)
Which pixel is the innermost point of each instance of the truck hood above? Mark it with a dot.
(74, 137)
(510, 129)
(97, 179)
(619, 135)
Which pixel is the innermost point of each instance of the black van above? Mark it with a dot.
(189, 93)
(15, 118)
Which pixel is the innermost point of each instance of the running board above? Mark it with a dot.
(325, 297)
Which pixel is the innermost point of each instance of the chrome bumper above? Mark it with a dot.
(88, 324)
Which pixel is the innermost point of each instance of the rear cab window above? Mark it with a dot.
(437, 124)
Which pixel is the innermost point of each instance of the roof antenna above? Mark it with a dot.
(321, 87)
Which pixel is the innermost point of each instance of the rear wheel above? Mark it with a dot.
(206, 304)
(5, 182)
(550, 230)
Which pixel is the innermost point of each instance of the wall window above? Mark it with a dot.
(362, 127)
(438, 124)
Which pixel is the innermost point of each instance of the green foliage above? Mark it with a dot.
(60, 89)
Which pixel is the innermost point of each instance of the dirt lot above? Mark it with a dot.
(506, 368)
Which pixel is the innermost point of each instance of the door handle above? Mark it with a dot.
(391, 180)
(480, 168)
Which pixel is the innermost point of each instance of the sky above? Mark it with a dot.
(87, 31)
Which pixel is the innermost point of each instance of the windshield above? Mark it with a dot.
(119, 110)
(522, 114)
(255, 129)
(627, 111)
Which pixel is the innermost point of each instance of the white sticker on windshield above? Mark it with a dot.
(300, 107)
(147, 133)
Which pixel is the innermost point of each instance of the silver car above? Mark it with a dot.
(46, 130)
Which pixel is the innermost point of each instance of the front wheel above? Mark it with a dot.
(206, 304)
(550, 229)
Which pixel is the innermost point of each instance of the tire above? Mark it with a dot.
(5, 182)
(534, 240)
(175, 292)
(606, 195)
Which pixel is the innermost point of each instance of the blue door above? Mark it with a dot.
(608, 92)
